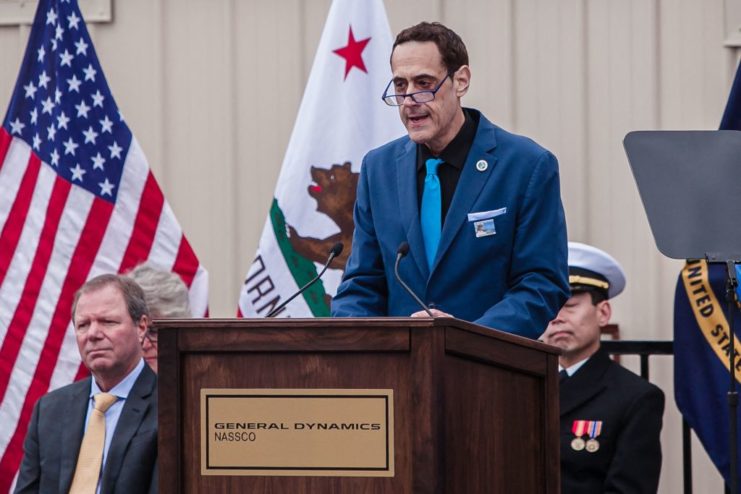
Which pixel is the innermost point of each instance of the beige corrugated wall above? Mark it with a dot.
(211, 89)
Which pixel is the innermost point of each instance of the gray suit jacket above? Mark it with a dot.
(55, 434)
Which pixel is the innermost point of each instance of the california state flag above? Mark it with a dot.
(341, 118)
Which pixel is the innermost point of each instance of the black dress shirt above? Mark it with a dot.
(454, 157)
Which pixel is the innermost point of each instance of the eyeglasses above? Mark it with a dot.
(417, 97)
(151, 335)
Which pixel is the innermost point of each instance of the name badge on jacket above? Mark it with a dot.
(483, 221)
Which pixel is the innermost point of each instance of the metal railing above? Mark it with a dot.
(644, 350)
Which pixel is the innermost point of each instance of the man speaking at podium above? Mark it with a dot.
(477, 208)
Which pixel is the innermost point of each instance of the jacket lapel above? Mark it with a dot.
(470, 185)
(406, 175)
(585, 383)
(134, 411)
(76, 406)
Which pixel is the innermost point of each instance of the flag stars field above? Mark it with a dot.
(50, 118)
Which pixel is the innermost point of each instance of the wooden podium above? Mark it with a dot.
(474, 410)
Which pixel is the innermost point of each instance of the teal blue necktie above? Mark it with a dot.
(431, 211)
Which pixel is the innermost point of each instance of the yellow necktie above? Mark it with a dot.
(90, 458)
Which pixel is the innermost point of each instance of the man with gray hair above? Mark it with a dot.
(99, 434)
(167, 297)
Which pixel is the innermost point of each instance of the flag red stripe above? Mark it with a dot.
(145, 225)
(17, 216)
(79, 268)
(24, 311)
(186, 262)
(5, 139)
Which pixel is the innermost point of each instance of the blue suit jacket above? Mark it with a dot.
(514, 280)
(55, 435)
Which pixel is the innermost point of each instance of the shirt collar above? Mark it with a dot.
(122, 389)
(571, 370)
(456, 152)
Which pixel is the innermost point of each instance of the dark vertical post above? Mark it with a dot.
(644, 366)
(687, 456)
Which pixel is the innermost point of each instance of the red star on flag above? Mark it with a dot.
(353, 53)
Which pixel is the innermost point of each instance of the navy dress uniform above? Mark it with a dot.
(610, 418)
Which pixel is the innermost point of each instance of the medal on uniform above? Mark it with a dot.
(595, 428)
(579, 428)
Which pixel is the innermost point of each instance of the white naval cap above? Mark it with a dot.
(591, 268)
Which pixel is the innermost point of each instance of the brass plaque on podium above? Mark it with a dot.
(291, 432)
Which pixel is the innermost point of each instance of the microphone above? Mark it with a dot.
(402, 251)
(335, 251)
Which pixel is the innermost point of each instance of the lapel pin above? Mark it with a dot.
(482, 165)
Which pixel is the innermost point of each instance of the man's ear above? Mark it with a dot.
(462, 80)
(604, 312)
(142, 326)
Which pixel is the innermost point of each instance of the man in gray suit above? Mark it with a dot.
(99, 434)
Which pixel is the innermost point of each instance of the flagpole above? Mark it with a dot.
(731, 284)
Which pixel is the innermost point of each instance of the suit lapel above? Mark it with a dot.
(134, 411)
(585, 383)
(470, 185)
(406, 175)
(77, 404)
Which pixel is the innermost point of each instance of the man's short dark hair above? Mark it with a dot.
(451, 46)
(132, 293)
(596, 295)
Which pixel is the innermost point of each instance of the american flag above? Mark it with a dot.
(77, 199)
